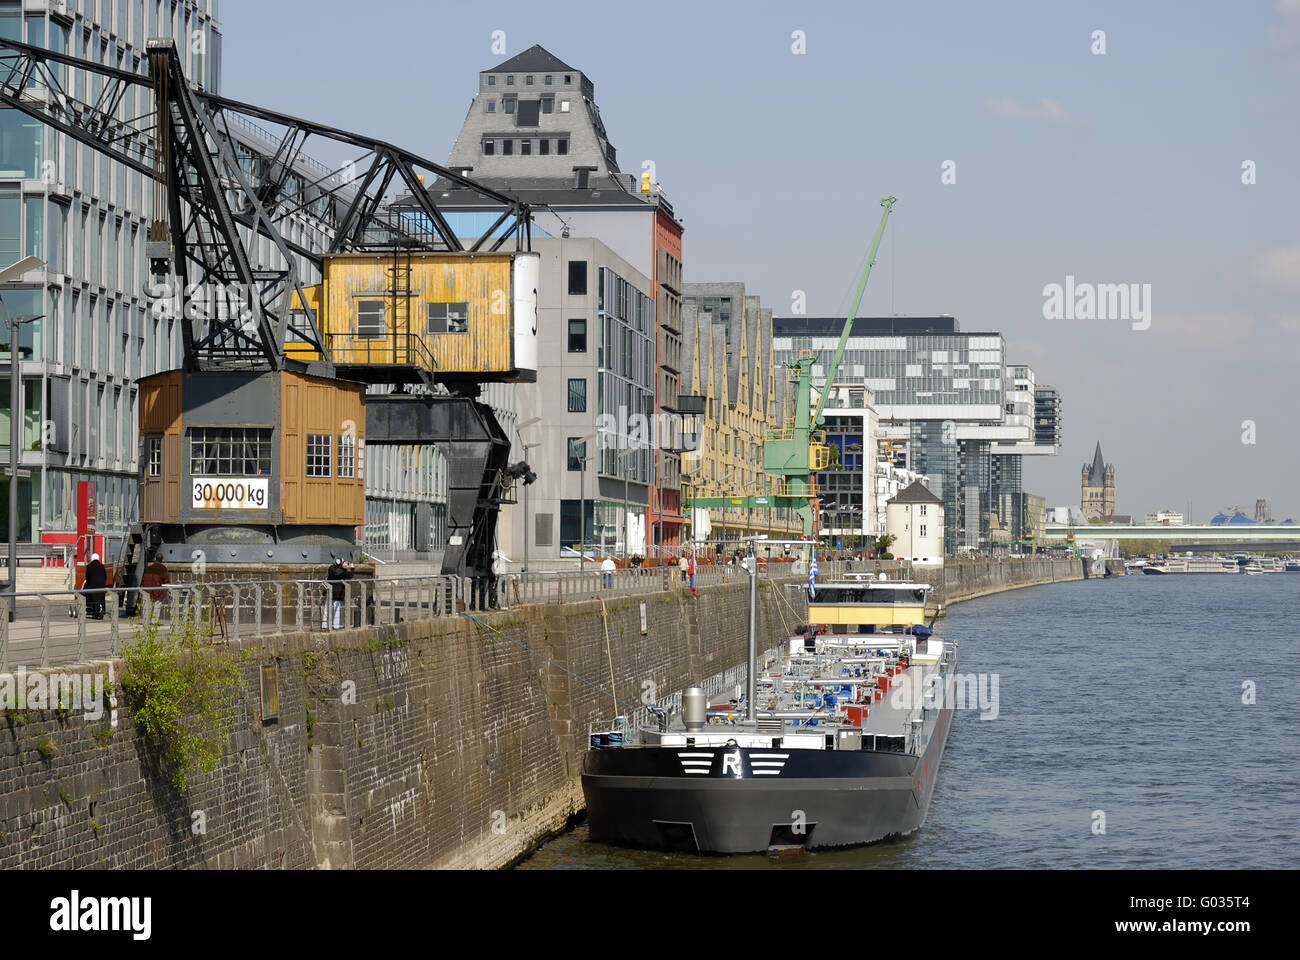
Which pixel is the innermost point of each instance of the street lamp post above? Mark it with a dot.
(7, 275)
(582, 501)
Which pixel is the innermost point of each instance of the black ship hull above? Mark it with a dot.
(816, 799)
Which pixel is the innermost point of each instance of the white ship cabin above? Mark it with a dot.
(867, 605)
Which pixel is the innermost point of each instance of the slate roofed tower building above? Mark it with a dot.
(1097, 495)
(533, 130)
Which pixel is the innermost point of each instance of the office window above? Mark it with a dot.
(548, 80)
(508, 104)
(510, 81)
(548, 104)
(528, 80)
(492, 81)
(347, 455)
(568, 79)
(577, 452)
(923, 508)
(154, 446)
(577, 336)
(370, 319)
(564, 106)
(578, 395)
(491, 106)
(923, 529)
(318, 454)
(525, 148)
(507, 148)
(578, 277)
(489, 148)
(447, 318)
(561, 147)
(543, 147)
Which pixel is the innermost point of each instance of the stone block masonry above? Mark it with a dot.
(437, 743)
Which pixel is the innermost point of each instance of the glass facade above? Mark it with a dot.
(85, 216)
(625, 326)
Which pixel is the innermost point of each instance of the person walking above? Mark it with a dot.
(96, 581)
(339, 572)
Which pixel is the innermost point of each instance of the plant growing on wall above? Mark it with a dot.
(181, 689)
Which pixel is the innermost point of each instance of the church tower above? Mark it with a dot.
(1097, 488)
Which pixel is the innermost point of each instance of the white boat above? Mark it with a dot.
(1192, 565)
(1257, 565)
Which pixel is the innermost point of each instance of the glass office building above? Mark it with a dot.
(928, 373)
(86, 217)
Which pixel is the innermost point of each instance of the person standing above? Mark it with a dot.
(339, 572)
(607, 573)
(96, 581)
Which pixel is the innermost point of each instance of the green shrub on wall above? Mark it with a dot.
(182, 690)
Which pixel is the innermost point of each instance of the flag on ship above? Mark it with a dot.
(812, 576)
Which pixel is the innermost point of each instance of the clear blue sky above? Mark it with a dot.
(1124, 167)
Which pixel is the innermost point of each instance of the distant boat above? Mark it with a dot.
(1191, 565)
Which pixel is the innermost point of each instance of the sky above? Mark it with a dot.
(1119, 167)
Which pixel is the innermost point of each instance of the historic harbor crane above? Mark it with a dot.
(253, 451)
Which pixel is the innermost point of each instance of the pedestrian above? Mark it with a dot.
(684, 567)
(339, 572)
(156, 576)
(607, 573)
(96, 581)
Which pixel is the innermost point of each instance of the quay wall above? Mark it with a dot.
(435, 743)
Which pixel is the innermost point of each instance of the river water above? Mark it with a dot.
(1120, 698)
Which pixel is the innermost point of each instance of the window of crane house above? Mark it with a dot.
(229, 451)
(447, 318)
(370, 318)
(318, 454)
(347, 455)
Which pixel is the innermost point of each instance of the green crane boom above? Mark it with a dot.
(818, 419)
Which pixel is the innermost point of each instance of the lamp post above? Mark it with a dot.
(624, 524)
(582, 501)
(8, 275)
(519, 428)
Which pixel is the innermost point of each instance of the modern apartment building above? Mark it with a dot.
(846, 489)
(592, 428)
(730, 367)
(86, 217)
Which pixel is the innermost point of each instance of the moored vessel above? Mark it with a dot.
(840, 743)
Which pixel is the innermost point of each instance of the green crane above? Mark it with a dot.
(795, 453)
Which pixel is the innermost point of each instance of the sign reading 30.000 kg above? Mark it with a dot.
(230, 493)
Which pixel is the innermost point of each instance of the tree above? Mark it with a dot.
(882, 544)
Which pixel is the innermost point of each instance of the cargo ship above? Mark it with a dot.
(839, 744)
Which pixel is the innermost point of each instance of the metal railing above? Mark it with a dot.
(67, 626)
(390, 349)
